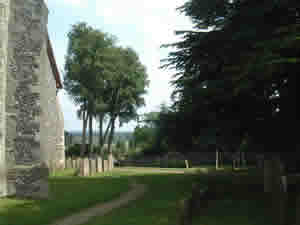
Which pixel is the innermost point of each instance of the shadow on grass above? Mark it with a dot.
(239, 199)
(67, 196)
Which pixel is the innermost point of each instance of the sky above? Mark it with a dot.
(143, 25)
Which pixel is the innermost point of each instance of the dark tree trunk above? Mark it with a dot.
(110, 139)
(101, 141)
(217, 158)
(84, 127)
(91, 135)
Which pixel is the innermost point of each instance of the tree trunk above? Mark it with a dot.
(84, 127)
(233, 164)
(221, 159)
(268, 175)
(273, 185)
(298, 210)
(91, 135)
(101, 141)
(110, 139)
(244, 162)
(217, 158)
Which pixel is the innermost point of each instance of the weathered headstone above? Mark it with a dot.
(73, 164)
(78, 163)
(99, 165)
(68, 163)
(105, 165)
(93, 166)
(85, 167)
(110, 162)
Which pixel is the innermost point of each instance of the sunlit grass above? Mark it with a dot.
(68, 195)
(239, 199)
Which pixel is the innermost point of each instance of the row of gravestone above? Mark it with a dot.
(89, 167)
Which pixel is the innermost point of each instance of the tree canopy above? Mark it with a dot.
(107, 81)
(237, 78)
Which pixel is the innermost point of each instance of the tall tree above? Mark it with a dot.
(240, 76)
(84, 65)
(127, 85)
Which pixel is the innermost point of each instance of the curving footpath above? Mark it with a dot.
(84, 216)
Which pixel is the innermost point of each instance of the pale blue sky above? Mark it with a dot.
(141, 24)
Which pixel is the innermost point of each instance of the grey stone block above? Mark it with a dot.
(93, 167)
(68, 163)
(105, 165)
(99, 165)
(85, 167)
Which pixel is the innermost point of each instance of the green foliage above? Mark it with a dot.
(120, 150)
(175, 163)
(150, 134)
(107, 81)
(73, 151)
(237, 79)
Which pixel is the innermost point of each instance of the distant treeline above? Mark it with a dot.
(117, 136)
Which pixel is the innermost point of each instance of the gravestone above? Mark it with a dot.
(110, 162)
(93, 167)
(85, 167)
(73, 164)
(68, 163)
(78, 163)
(99, 165)
(105, 165)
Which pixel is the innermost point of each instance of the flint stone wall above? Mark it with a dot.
(4, 10)
(27, 94)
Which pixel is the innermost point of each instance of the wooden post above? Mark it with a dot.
(186, 164)
(217, 158)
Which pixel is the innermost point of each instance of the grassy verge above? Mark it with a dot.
(159, 204)
(68, 195)
(239, 199)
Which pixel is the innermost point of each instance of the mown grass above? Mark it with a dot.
(239, 199)
(69, 194)
(159, 204)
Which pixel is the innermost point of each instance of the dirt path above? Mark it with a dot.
(84, 216)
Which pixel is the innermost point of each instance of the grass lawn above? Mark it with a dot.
(158, 205)
(68, 195)
(239, 199)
